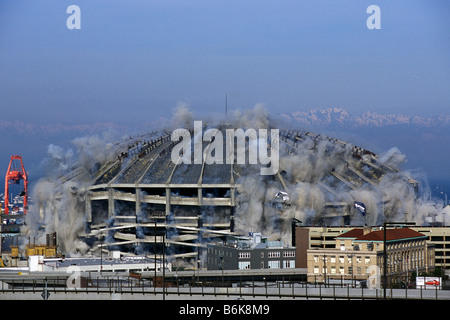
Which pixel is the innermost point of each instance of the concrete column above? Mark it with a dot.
(232, 195)
(200, 196)
(232, 211)
(138, 201)
(111, 207)
(88, 206)
(167, 201)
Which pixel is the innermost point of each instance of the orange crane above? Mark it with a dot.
(15, 173)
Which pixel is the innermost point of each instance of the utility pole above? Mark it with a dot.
(164, 263)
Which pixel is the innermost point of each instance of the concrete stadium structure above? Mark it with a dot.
(141, 202)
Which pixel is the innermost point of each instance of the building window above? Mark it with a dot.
(244, 265)
(276, 254)
(244, 255)
(274, 264)
(289, 264)
(288, 254)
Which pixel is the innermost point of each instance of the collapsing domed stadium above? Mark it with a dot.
(137, 198)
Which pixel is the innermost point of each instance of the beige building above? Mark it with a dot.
(325, 238)
(358, 255)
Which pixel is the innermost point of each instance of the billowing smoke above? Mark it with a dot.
(58, 161)
(314, 176)
(60, 209)
(182, 116)
(58, 204)
(94, 151)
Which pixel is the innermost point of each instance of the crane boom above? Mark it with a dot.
(15, 173)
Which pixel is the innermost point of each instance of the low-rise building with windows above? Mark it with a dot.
(359, 255)
(253, 252)
(324, 237)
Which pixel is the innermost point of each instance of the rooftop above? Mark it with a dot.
(391, 235)
(378, 235)
(352, 234)
(253, 241)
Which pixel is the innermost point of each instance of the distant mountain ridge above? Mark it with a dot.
(326, 117)
(340, 117)
(17, 126)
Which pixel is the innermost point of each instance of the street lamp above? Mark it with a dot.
(351, 268)
(325, 269)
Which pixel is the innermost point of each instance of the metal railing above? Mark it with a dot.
(129, 285)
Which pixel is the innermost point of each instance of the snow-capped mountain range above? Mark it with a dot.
(21, 127)
(340, 116)
(326, 117)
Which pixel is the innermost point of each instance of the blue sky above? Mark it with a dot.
(132, 61)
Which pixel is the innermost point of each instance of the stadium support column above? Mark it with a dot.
(199, 223)
(88, 206)
(232, 211)
(200, 196)
(200, 238)
(138, 201)
(111, 208)
(232, 208)
(233, 195)
(167, 201)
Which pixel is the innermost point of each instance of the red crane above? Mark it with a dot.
(15, 173)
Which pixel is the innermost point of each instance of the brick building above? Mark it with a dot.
(253, 252)
(358, 255)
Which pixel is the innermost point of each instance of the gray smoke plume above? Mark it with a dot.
(58, 204)
(182, 117)
(307, 169)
